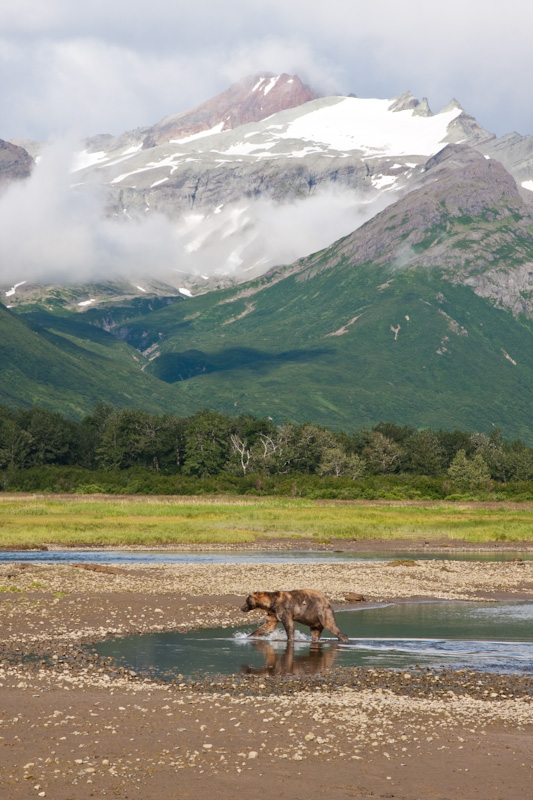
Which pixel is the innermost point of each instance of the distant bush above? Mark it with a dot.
(69, 480)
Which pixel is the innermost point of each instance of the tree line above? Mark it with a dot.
(209, 444)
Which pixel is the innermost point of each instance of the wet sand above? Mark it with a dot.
(75, 726)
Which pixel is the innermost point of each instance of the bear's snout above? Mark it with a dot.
(248, 605)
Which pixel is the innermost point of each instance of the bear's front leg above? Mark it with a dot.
(267, 626)
(288, 623)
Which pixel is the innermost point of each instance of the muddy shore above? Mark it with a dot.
(75, 726)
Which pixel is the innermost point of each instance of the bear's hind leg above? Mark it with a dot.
(330, 624)
(316, 632)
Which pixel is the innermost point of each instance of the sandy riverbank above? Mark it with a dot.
(74, 727)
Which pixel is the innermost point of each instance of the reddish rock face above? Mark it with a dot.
(252, 99)
(15, 162)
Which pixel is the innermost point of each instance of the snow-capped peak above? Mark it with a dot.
(250, 100)
(227, 172)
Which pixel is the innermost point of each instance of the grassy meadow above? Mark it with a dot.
(33, 521)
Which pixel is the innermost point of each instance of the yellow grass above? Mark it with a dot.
(30, 521)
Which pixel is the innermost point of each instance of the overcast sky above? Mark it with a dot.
(105, 66)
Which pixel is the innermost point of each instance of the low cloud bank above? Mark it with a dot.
(51, 232)
(54, 233)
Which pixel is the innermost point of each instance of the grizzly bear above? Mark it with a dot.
(299, 605)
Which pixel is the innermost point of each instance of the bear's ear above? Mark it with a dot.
(276, 594)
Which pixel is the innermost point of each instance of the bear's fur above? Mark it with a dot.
(299, 605)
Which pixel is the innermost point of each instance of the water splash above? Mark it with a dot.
(277, 635)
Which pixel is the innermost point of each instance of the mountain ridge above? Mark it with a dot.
(69, 366)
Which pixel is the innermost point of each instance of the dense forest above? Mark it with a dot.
(133, 451)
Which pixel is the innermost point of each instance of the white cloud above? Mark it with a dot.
(87, 86)
(109, 66)
(276, 54)
(50, 232)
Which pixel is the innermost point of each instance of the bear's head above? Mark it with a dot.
(249, 604)
(264, 600)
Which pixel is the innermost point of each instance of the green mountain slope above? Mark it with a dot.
(69, 366)
(319, 340)
(351, 347)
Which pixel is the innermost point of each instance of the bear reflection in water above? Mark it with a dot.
(317, 659)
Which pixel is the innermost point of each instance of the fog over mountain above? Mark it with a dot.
(264, 173)
(53, 232)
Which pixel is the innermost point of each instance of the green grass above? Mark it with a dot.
(32, 522)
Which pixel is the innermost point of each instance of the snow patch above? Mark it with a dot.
(14, 288)
(235, 260)
(528, 185)
(201, 135)
(186, 292)
(383, 181)
(86, 302)
(125, 175)
(270, 85)
(248, 148)
(85, 159)
(234, 223)
(353, 123)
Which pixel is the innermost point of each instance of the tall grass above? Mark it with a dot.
(33, 521)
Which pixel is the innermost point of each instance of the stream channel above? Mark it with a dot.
(164, 556)
(481, 635)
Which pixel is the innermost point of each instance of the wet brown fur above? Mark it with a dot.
(299, 605)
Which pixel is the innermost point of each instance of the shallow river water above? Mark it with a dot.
(485, 636)
(238, 556)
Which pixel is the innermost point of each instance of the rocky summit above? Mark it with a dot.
(251, 100)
